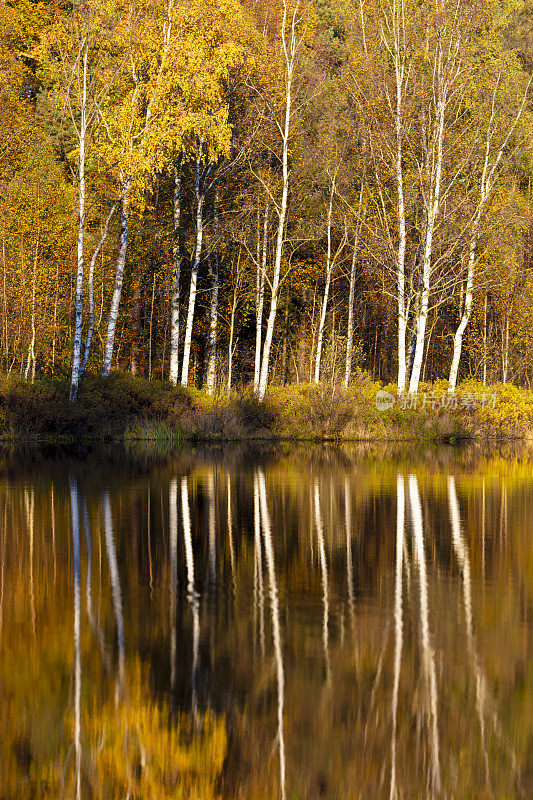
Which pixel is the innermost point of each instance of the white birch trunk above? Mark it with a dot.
(175, 301)
(399, 69)
(231, 335)
(467, 310)
(90, 292)
(289, 51)
(78, 325)
(194, 277)
(325, 298)
(351, 297)
(488, 179)
(433, 202)
(260, 299)
(400, 266)
(349, 331)
(213, 320)
(117, 290)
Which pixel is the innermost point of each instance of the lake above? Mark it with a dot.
(287, 622)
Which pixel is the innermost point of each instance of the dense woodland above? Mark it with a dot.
(253, 192)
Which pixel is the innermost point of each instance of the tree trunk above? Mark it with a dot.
(290, 56)
(231, 333)
(433, 201)
(175, 301)
(117, 291)
(351, 296)
(136, 330)
(31, 348)
(260, 298)
(151, 331)
(5, 326)
(213, 318)
(325, 298)
(76, 347)
(485, 341)
(90, 290)
(194, 275)
(467, 310)
(283, 376)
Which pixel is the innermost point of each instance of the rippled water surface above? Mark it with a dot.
(298, 623)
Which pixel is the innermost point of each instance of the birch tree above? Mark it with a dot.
(213, 312)
(292, 42)
(176, 263)
(489, 174)
(82, 80)
(329, 270)
(202, 174)
(446, 66)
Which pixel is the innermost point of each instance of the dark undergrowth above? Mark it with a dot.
(135, 410)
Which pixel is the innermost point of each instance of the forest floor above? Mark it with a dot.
(128, 409)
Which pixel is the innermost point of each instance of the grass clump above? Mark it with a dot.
(159, 415)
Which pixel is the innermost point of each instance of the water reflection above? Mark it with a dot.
(299, 624)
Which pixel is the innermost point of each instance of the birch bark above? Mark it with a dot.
(351, 296)
(194, 272)
(90, 290)
(213, 317)
(175, 301)
(434, 161)
(290, 45)
(325, 298)
(78, 325)
(488, 179)
(260, 298)
(117, 290)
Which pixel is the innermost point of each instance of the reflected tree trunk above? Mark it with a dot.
(3, 535)
(258, 567)
(173, 540)
(230, 535)
(324, 573)
(349, 559)
(29, 506)
(398, 624)
(463, 559)
(192, 594)
(427, 649)
(212, 531)
(53, 521)
(75, 517)
(88, 590)
(276, 628)
(115, 591)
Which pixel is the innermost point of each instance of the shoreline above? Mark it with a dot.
(128, 410)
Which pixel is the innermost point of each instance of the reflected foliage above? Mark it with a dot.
(298, 622)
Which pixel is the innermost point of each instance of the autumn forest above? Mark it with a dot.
(228, 193)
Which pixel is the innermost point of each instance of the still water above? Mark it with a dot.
(293, 623)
